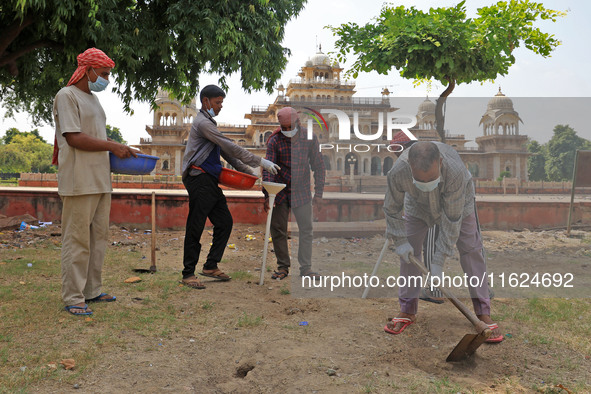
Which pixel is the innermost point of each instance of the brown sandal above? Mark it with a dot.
(193, 283)
(216, 274)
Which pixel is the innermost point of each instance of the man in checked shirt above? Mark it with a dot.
(290, 148)
(431, 184)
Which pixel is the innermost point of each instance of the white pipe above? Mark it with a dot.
(267, 231)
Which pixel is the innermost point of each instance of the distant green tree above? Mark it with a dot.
(25, 152)
(38, 153)
(536, 170)
(10, 133)
(115, 134)
(561, 152)
(12, 160)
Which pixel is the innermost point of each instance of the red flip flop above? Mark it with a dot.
(405, 323)
(498, 339)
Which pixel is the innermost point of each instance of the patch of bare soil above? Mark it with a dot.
(260, 339)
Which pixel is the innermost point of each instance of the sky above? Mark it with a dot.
(563, 75)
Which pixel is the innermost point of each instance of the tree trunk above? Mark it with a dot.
(439, 117)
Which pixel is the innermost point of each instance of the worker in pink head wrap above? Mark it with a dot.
(84, 180)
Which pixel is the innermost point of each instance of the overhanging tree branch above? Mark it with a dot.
(9, 58)
(11, 32)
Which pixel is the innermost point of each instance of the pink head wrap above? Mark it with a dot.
(400, 138)
(90, 58)
(287, 115)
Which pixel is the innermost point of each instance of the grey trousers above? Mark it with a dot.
(469, 245)
(279, 222)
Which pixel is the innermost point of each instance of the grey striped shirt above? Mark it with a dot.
(447, 205)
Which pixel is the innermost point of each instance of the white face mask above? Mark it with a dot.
(428, 186)
(210, 110)
(99, 85)
(290, 133)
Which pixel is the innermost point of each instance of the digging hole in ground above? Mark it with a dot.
(243, 370)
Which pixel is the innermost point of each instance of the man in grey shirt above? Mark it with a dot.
(431, 185)
(201, 171)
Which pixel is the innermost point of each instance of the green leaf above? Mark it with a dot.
(442, 44)
(164, 43)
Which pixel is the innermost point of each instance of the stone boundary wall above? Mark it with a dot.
(134, 210)
(363, 184)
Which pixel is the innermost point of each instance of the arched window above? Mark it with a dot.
(388, 163)
(165, 165)
(376, 166)
(326, 160)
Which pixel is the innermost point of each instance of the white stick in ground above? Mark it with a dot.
(375, 268)
(272, 189)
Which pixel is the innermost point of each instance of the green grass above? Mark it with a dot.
(9, 182)
(443, 385)
(564, 320)
(247, 320)
(30, 304)
(242, 275)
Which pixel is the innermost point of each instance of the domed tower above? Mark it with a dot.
(169, 131)
(501, 142)
(500, 118)
(320, 80)
(426, 115)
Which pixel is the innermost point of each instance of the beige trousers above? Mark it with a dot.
(85, 235)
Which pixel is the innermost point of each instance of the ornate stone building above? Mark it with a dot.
(318, 87)
(501, 147)
(170, 127)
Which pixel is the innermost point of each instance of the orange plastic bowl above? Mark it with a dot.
(237, 179)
